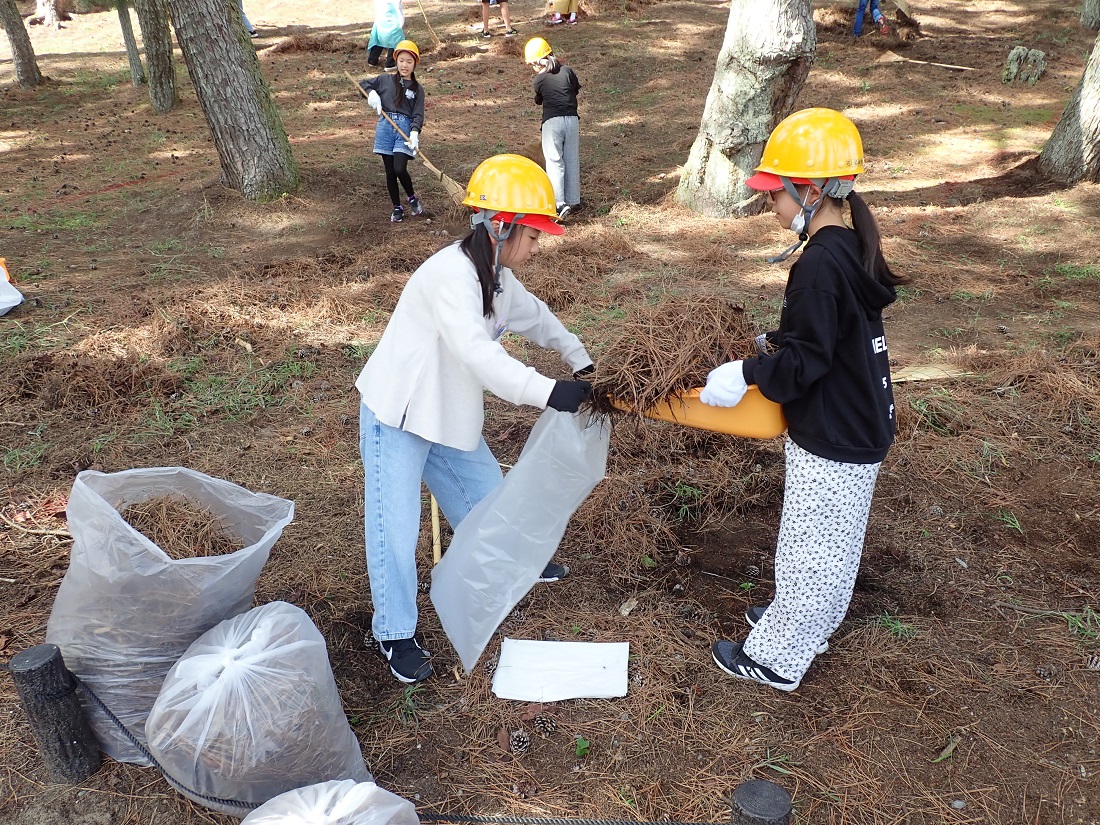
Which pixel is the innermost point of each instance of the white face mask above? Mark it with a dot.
(798, 225)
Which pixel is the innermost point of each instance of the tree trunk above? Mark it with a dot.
(153, 18)
(1073, 152)
(766, 55)
(27, 74)
(137, 72)
(1090, 14)
(248, 133)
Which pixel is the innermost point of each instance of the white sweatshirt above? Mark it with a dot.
(439, 353)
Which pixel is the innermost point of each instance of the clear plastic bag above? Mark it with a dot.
(252, 711)
(335, 803)
(501, 547)
(126, 611)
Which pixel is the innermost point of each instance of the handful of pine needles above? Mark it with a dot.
(668, 347)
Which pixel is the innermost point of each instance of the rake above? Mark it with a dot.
(456, 190)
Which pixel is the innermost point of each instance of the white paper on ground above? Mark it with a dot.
(555, 671)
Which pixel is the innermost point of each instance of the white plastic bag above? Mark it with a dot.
(126, 611)
(9, 295)
(335, 803)
(252, 711)
(501, 547)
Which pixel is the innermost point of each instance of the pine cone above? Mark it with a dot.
(491, 665)
(544, 725)
(520, 742)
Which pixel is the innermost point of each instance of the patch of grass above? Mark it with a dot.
(359, 352)
(238, 396)
(685, 500)
(85, 81)
(18, 459)
(1084, 625)
(17, 337)
(1010, 520)
(409, 707)
(938, 411)
(908, 293)
(57, 221)
(1073, 272)
(900, 630)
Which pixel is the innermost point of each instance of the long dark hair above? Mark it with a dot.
(870, 243)
(479, 249)
(414, 84)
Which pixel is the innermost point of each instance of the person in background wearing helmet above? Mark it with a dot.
(504, 15)
(562, 7)
(828, 366)
(556, 87)
(423, 388)
(387, 31)
(402, 98)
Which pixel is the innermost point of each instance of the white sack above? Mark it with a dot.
(252, 711)
(9, 296)
(501, 547)
(335, 803)
(126, 611)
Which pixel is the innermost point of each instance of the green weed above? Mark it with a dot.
(409, 708)
(18, 337)
(1009, 519)
(359, 352)
(777, 763)
(1085, 624)
(685, 500)
(238, 396)
(907, 293)
(938, 412)
(895, 627)
(583, 748)
(18, 459)
(1071, 272)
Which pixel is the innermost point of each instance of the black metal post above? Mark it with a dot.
(759, 802)
(48, 692)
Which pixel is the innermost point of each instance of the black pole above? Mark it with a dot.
(48, 692)
(759, 802)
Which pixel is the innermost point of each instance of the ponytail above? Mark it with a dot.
(479, 249)
(870, 243)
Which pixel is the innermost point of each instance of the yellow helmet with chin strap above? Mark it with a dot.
(514, 185)
(410, 47)
(812, 144)
(536, 49)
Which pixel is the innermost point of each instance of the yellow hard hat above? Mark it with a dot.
(809, 145)
(511, 183)
(536, 49)
(407, 46)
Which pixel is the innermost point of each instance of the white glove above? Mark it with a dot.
(375, 102)
(725, 385)
(413, 142)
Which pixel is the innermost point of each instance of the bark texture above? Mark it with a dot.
(248, 133)
(137, 71)
(1090, 14)
(1072, 154)
(766, 55)
(27, 74)
(157, 35)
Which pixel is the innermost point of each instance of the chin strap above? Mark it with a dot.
(485, 219)
(830, 188)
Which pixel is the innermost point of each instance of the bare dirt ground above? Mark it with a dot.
(169, 322)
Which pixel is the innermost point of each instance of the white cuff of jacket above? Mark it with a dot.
(725, 385)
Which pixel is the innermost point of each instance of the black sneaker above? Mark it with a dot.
(553, 572)
(511, 32)
(486, 34)
(564, 211)
(415, 207)
(733, 660)
(407, 659)
(754, 614)
(398, 214)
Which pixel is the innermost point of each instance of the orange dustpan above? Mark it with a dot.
(754, 417)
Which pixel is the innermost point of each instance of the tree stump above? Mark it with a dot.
(759, 802)
(1034, 65)
(1013, 62)
(48, 692)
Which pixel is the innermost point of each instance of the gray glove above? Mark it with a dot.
(762, 343)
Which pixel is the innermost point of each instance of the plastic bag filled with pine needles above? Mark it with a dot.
(180, 528)
(661, 349)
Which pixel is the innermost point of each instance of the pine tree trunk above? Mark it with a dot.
(155, 33)
(766, 55)
(27, 74)
(137, 71)
(252, 145)
(1090, 14)
(1073, 152)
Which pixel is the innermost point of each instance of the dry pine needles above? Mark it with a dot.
(180, 528)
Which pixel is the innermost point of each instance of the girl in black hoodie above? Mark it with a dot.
(828, 366)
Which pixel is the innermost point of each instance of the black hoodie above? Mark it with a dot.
(831, 371)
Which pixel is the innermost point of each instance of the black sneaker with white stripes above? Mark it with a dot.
(754, 614)
(553, 572)
(407, 659)
(733, 660)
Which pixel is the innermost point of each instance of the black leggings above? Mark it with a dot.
(397, 169)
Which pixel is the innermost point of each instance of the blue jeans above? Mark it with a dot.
(394, 464)
(861, 9)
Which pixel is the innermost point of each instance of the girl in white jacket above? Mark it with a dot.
(423, 388)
